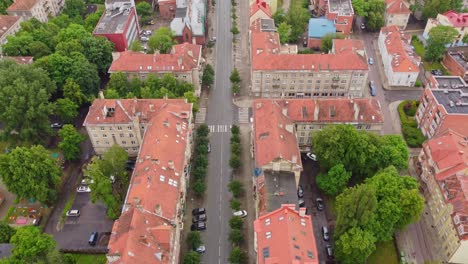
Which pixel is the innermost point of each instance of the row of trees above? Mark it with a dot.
(208, 76)
(235, 81)
(234, 28)
(200, 161)
(162, 41)
(292, 24)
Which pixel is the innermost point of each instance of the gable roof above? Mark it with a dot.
(22, 5)
(397, 7)
(397, 44)
(6, 22)
(260, 5)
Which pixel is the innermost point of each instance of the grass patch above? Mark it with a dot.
(89, 258)
(428, 66)
(67, 207)
(409, 127)
(384, 254)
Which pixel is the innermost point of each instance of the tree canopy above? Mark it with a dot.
(74, 8)
(335, 181)
(327, 41)
(162, 40)
(439, 36)
(372, 11)
(433, 7)
(70, 140)
(284, 31)
(354, 246)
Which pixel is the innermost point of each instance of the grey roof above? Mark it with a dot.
(198, 16)
(460, 58)
(268, 25)
(5, 250)
(280, 189)
(450, 82)
(112, 21)
(181, 12)
(342, 7)
(455, 101)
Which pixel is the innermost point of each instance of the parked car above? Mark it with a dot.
(363, 26)
(201, 249)
(209, 147)
(319, 203)
(311, 156)
(437, 72)
(199, 218)
(301, 203)
(83, 189)
(87, 181)
(371, 61)
(144, 39)
(372, 88)
(146, 32)
(242, 213)
(198, 211)
(73, 213)
(199, 226)
(150, 22)
(56, 125)
(329, 250)
(325, 234)
(300, 191)
(93, 238)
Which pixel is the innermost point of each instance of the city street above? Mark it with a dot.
(219, 118)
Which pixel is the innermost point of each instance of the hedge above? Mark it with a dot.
(409, 127)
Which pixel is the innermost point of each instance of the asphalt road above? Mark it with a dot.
(219, 117)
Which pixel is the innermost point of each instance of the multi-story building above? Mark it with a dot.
(259, 10)
(397, 13)
(401, 63)
(340, 12)
(459, 21)
(319, 28)
(184, 62)
(456, 63)
(443, 107)
(167, 8)
(279, 72)
(159, 131)
(119, 23)
(444, 169)
(9, 25)
(189, 23)
(39, 9)
(285, 236)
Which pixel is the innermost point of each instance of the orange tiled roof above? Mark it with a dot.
(457, 19)
(21, 5)
(457, 123)
(397, 7)
(286, 236)
(260, 5)
(183, 57)
(6, 22)
(348, 46)
(404, 59)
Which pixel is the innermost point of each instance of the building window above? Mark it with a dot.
(368, 127)
(129, 128)
(297, 257)
(102, 128)
(119, 128)
(281, 218)
(359, 126)
(121, 135)
(267, 221)
(133, 142)
(130, 135)
(97, 142)
(124, 142)
(104, 135)
(266, 252)
(268, 235)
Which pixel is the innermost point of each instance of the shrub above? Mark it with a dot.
(199, 188)
(236, 187)
(235, 204)
(237, 256)
(236, 148)
(235, 138)
(234, 161)
(409, 127)
(203, 130)
(418, 83)
(194, 239)
(236, 222)
(235, 129)
(236, 236)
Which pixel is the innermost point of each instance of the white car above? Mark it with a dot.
(201, 249)
(144, 39)
(73, 213)
(311, 156)
(83, 189)
(87, 181)
(242, 213)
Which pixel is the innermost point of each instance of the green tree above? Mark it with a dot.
(238, 256)
(91, 21)
(194, 239)
(67, 110)
(298, 18)
(236, 187)
(372, 11)
(199, 188)
(38, 49)
(433, 7)
(235, 129)
(119, 83)
(31, 173)
(375, 20)
(98, 51)
(18, 45)
(4, 5)
(111, 165)
(235, 76)
(236, 237)
(70, 142)
(355, 246)
(235, 204)
(192, 257)
(136, 46)
(284, 31)
(279, 16)
(236, 222)
(236, 149)
(72, 91)
(439, 36)
(73, 31)
(465, 38)
(66, 48)
(335, 181)
(203, 130)
(162, 40)
(6, 232)
(143, 10)
(193, 99)
(24, 101)
(234, 162)
(31, 246)
(327, 41)
(74, 8)
(208, 75)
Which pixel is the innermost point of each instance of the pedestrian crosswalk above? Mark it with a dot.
(244, 115)
(200, 116)
(220, 128)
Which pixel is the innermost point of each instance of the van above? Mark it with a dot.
(93, 238)
(325, 234)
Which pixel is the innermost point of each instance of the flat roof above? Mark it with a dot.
(460, 58)
(280, 189)
(267, 25)
(450, 82)
(455, 101)
(342, 7)
(113, 22)
(319, 27)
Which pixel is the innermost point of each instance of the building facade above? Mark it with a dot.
(342, 14)
(459, 21)
(184, 62)
(443, 163)
(39, 9)
(9, 25)
(397, 13)
(401, 63)
(456, 63)
(119, 24)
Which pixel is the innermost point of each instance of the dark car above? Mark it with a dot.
(300, 191)
(199, 226)
(93, 238)
(329, 250)
(198, 211)
(372, 88)
(319, 203)
(199, 218)
(301, 203)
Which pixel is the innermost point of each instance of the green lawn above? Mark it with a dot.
(90, 258)
(384, 254)
(419, 48)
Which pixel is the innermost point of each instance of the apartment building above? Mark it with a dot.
(285, 236)
(189, 23)
(458, 21)
(401, 63)
(444, 106)
(9, 25)
(340, 12)
(39, 9)
(259, 10)
(397, 13)
(279, 72)
(456, 63)
(184, 62)
(159, 133)
(119, 24)
(444, 168)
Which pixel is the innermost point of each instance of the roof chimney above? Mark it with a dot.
(302, 211)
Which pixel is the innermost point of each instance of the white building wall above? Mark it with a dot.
(461, 255)
(402, 78)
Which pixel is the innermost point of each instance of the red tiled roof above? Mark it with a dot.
(183, 57)
(447, 151)
(404, 59)
(260, 5)
(457, 123)
(20, 59)
(6, 22)
(274, 135)
(397, 7)
(284, 236)
(342, 46)
(21, 5)
(457, 19)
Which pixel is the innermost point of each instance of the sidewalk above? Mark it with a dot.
(396, 122)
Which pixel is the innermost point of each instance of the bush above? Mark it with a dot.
(194, 239)
(203, 130)
(199, 188)
(199, 173)
(235, 138)
(236, 237)
(237, 256)
(418, 83)
(235, 30)
(235, 204)
(236, 222)
(236, 188)
(234, 161)
(235, 129)
(409, 127)
(236, 148)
